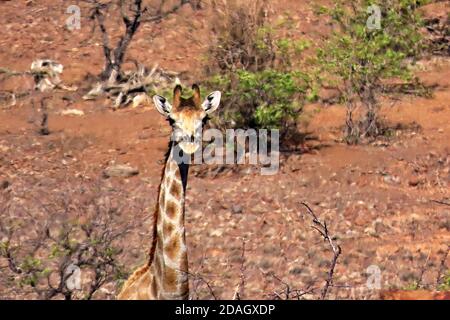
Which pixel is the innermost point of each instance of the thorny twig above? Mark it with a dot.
(322, 228)
(199, 278)
(422, 270)
(441, 202)
(138, 13)
(240, 287)
(42, 259)
(287, 293)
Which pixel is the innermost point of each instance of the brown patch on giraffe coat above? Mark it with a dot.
(172, 248)
(170, 279)
(168, 228)
(172, 209)
(177, 173)
(175, 189)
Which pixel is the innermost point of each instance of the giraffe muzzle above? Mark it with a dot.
(189, 147)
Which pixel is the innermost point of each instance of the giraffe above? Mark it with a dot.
(165, 275)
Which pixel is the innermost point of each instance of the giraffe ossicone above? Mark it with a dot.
(165, 274)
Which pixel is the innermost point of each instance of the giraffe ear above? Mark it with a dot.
(212, 102)
(162, 105)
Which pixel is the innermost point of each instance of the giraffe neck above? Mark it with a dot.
(169, 262)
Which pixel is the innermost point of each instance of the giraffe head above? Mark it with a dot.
(187, 116)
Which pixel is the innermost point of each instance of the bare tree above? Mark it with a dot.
(322, 228)
(133, 14)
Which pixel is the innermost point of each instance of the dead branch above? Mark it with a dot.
(44, 121)
(197, 277)
(288, 293)
(7, 73)
(133, 15)
(423, 269)
(441, 202)
(322, 229)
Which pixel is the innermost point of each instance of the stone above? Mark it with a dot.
(414, 181)
(236, 209)
(120, 170)
(72, 112)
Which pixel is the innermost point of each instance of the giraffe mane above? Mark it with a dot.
(155, 211)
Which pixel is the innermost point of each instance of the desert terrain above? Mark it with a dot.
(386, 203)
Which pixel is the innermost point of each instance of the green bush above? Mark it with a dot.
(357, 59)
(268, 99)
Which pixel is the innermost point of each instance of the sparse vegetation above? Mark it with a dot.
(364, 52)
(254, 70)
(267, 99)
(63, 245)
(133, 13)
(445, 285)
(78, 182)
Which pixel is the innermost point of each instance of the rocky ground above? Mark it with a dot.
(386, 204)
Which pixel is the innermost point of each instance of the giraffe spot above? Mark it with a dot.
(170, 279)
(177, 173)
(171, 209)
(175, 189)
(168, 228)
(172, 248)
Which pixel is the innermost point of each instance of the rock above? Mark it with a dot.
(370, 231)
(72, 112)
(391, 179)
(141, 99)
(216, 233)
(4, 148)
(145, 135)
(414, 181)
(379, 226)
(120, 170)
(236, 209)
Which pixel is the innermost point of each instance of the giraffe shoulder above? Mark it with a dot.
(137, 274)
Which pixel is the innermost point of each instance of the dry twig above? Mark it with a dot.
(322, 228)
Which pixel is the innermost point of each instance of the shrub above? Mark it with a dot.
(445, 285)
(267, 99)
(64, 244)
(243, 37)
(357, 59)
(253, 69)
